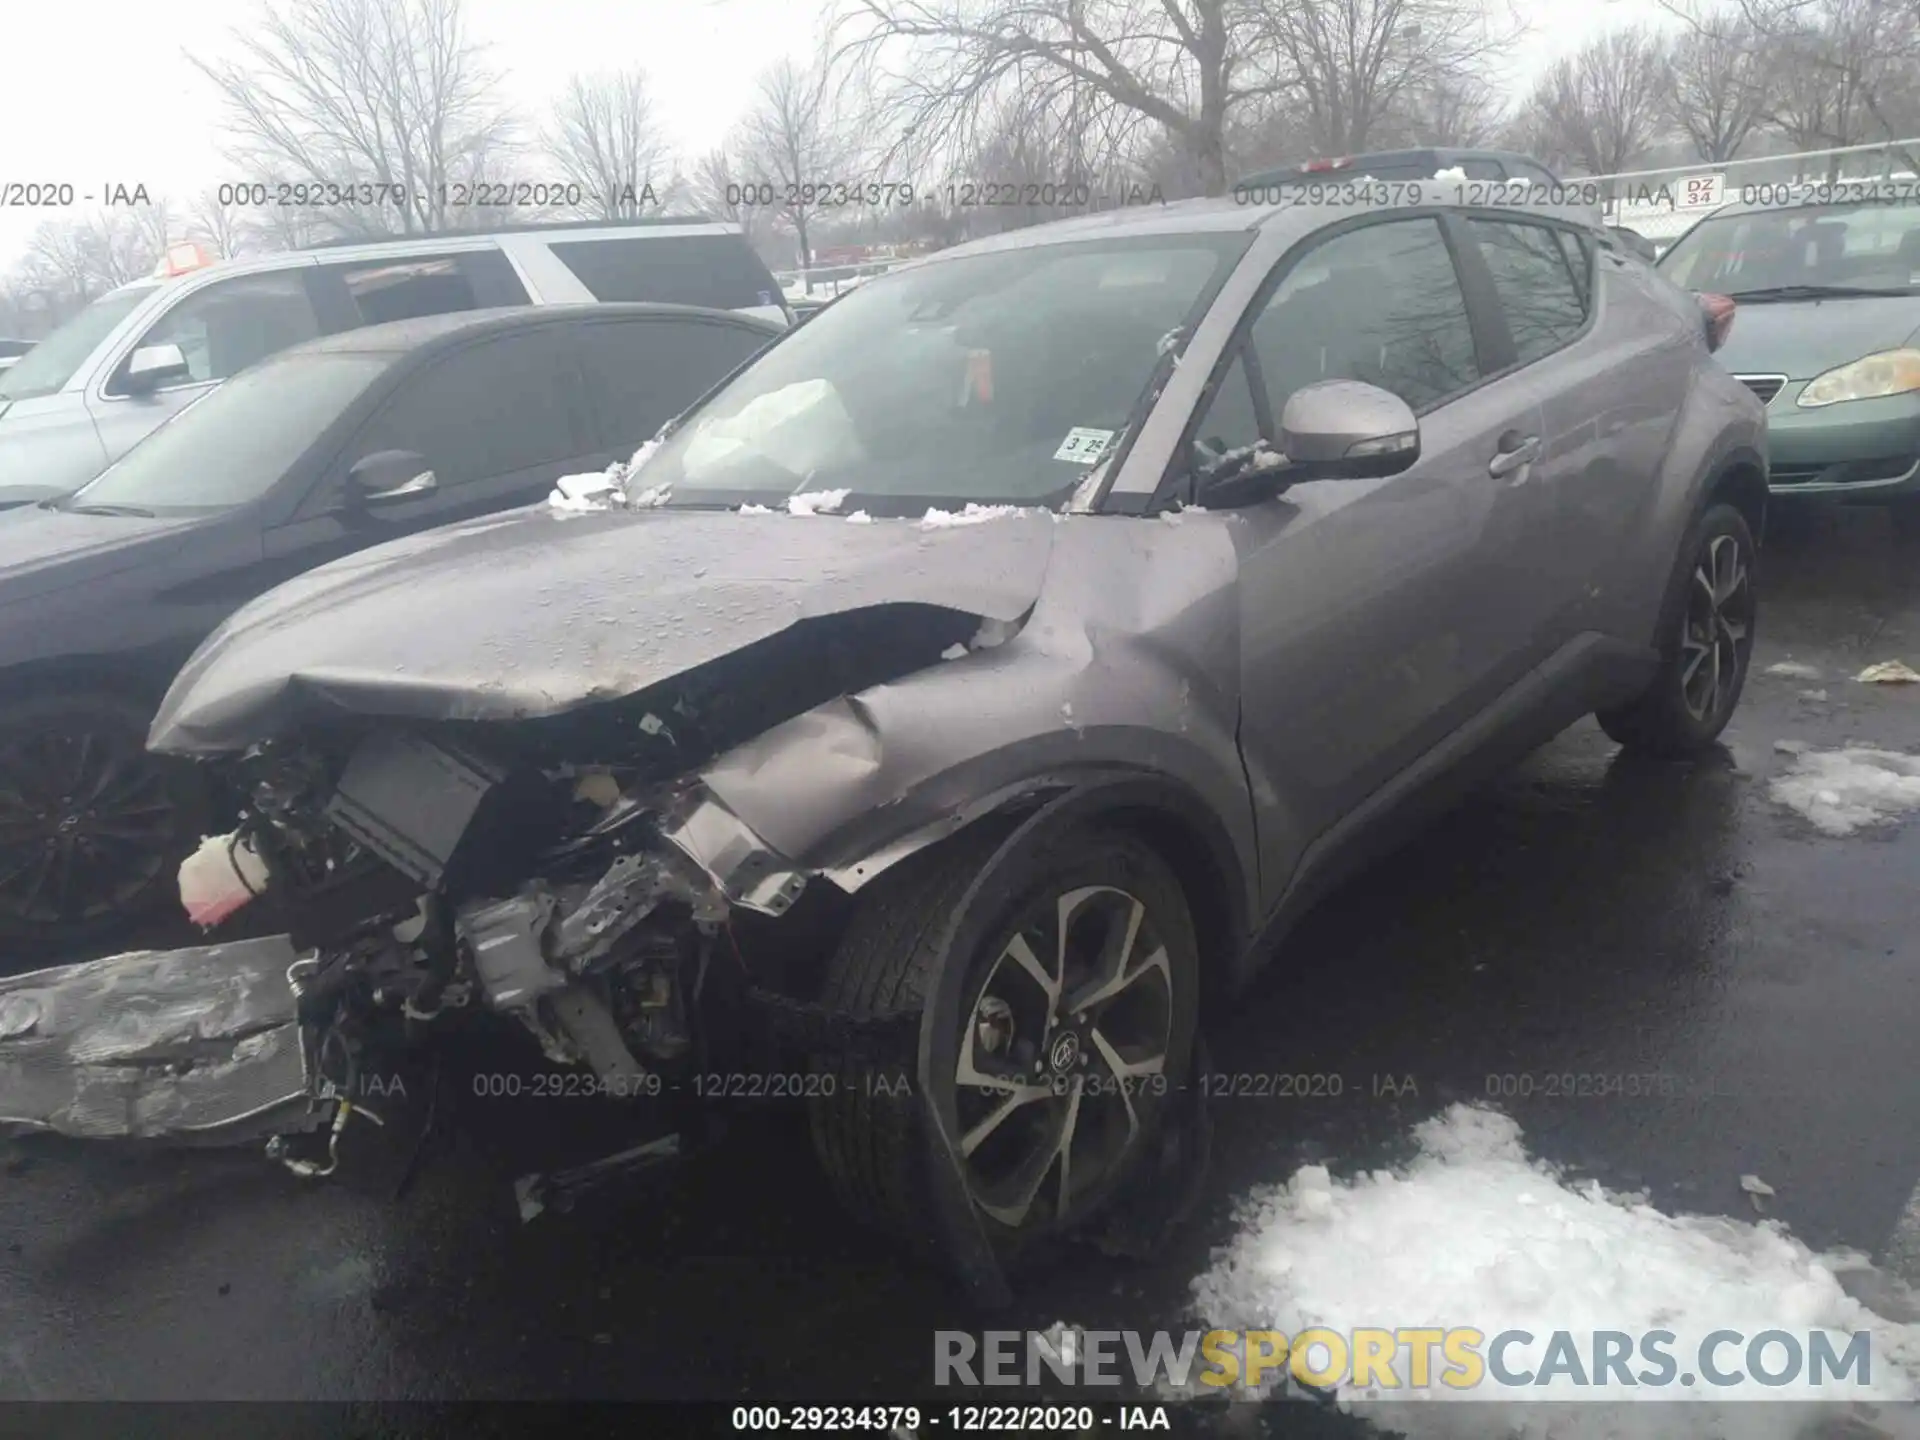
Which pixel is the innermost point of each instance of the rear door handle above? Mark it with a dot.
(1515, 451)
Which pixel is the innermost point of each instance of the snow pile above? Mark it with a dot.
(1794, 670)
(859, 517)
(1452, 172)
(817, 502)
(607, 489)
(754, 510)
(1841, 791)
(1475, 1233)
(972, 515)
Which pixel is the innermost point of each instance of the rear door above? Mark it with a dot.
(1611, 368)
(497, 421)
(714, 268)
(405, 287)
(1379, 615)
(643, 371)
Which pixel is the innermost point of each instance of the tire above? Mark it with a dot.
(73, 873)
(870, 1132)
(1697, 687)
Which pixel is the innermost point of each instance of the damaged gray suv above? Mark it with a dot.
(945, 711)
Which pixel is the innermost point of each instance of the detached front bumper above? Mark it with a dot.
(1869, 448)
(179, 1044)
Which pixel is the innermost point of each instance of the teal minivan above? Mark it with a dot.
(1828, 329)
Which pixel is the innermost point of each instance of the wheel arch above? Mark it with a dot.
(1740, 480)
(1160, 812)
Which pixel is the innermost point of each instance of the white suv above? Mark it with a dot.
(116, 371)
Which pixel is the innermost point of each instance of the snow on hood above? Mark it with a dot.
(972, 515)
(1474, 1232)
(1451, 172)
(817, 502)
(531, 613)
(1841, 791)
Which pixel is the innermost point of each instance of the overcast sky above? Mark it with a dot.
(99, 92)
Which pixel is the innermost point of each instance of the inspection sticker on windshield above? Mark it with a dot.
(1085, 446)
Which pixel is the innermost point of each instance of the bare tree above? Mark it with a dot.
(1844, 72)
(1716, 84)
(938, 68)
(1358, 65)
(1597, 108)
(388, 98)
(789, 143)
(605, 140)
(83, 259)
(220, 226)
(1460, 109)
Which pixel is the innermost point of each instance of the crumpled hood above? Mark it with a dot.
(534, 613)
(1801, 338)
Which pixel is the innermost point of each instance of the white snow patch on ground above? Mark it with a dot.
(859, 517)
(1841, 791)
(972, 515)
(817, 502)
(1474, 1232)
(1794, 670)
(755, 510)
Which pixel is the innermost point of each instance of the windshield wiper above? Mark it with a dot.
(1814, 292)
(134, 510)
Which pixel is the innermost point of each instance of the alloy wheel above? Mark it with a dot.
(1717, 630)
(86, 820)
(1063, 1055)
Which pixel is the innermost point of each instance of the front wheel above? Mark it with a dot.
(1706, 634)
(92, 826)
(1057, 1064)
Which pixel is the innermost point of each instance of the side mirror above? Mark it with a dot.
(152, 366)
(389, 475)
(1347, 430)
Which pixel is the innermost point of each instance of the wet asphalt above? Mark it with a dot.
(1585, 915)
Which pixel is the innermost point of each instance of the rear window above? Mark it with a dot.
(719, 271)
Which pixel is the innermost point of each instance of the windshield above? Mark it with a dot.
(233, 443)
(51, 363)
(995, 378)
(1870, 246)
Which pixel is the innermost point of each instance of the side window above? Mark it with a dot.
(408, 288)
(490, 409)
(226, 327)
(641, 373)
(1538, 291)
(1380, 304)
(1230, 422)
(1532, 174)
(1484, 170)
(717, 271)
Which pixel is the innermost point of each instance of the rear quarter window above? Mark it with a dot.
(719, 271)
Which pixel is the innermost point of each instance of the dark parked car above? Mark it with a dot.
(1406, 165)
(325, 449)
(1184, 557)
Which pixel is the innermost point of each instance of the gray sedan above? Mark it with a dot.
(973, 689)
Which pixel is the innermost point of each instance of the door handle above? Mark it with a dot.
(1514, 453)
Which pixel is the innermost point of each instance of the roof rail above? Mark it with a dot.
(665, 222)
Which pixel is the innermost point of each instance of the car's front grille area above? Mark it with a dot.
(1765, 386)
